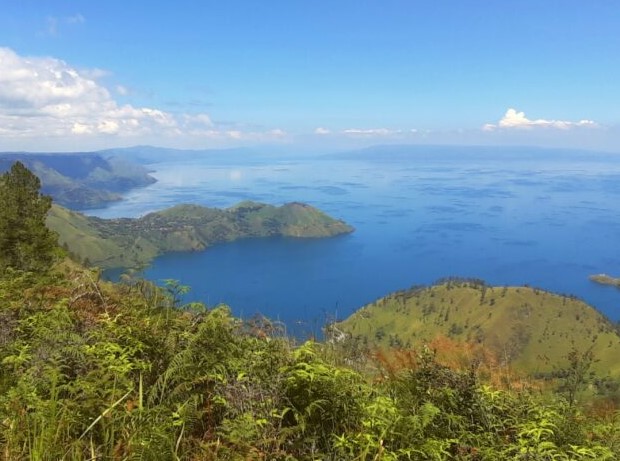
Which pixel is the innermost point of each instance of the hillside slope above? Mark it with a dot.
(134, 242)
(531, 329)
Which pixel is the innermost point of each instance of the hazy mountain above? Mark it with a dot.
(81, 180)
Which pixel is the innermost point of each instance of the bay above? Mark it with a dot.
(508, 216)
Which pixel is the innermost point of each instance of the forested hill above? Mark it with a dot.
(81, 180)
(134, 242)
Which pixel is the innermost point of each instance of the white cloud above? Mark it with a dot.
(277, 133)
(121, 90)
(43, 97)
(257, 136)
(371, 132)
(94, 74)
(108, 127)
(198, 121)
(47, 97)
(80, 128)
(322, 131)
(368, 133)
(517, 120)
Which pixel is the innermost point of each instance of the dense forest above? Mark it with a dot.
(98, 371)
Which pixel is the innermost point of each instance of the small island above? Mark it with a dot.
(134, 242)
(605, 279)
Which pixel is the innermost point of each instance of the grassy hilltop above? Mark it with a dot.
(530, 329)
(128, 242)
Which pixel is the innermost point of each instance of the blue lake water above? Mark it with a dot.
(520, 216)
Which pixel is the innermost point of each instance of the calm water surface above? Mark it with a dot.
(512, 218)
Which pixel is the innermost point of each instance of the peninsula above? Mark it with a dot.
(134, 242)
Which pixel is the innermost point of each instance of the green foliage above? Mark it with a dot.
(577, 375)
(98, 371)
(26, 244)
(324, 400)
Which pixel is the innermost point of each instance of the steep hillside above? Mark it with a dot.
(134, 242)
(83, 180)
(532, 329)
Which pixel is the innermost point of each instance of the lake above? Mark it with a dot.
(510, 216)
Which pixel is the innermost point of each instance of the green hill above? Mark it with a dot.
(134, 242)
(531, 329)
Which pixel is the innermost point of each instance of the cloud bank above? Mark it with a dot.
(517, 120)
(369, 133)
(44, 97)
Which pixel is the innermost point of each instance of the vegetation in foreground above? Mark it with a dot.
(94, 371)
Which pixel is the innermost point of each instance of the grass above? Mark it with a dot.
(531, 329)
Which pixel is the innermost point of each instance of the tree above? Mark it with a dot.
(25, 242)
(578, 374)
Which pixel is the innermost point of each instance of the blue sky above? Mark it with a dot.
(77, 75)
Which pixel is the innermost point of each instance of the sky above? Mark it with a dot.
(84, 75)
